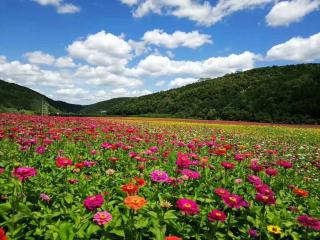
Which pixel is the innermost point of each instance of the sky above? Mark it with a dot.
(85, 51)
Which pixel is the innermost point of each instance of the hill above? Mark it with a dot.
(286, 94)
(101, 107)
(14, 97)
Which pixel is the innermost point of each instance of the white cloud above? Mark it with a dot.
(41, 58)
(297, 49)
(155, 65)
(199, 11)
(103, 49)
(62, 8)
(3, 59)
(192, 39)
(102, 76)
(32, 75)
(180, 82)
(286, 12)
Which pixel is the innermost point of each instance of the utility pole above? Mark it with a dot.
(44, 108)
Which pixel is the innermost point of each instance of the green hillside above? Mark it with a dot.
(102, 107)
(287, 94)
(14, 97)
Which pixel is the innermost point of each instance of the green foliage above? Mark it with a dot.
(288, 94)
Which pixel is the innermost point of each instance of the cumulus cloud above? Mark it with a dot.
(155, 65)
(180, 82)
(32, 75)
(286, 12)
(201, 12)
(192, 39)
(62, 8)
(41, 58)
(103, 49)
(297, 49)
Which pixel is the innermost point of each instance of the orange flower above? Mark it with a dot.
(173, 238)
(130, 188)
(300, 192)
(135, 202)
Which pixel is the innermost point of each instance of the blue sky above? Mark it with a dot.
(84, 51)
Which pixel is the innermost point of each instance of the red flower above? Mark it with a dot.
(2, 234)
(300, 192)
(172, 238)
(139, 181)
(266, 199)
(63, 162)
(221, 192)
(227, 165)
(130, 189)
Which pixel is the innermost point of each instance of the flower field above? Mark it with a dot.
(122, 178)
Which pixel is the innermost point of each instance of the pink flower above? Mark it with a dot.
(73, 181)
(191, 174)
(159, 176)
(188, 206)
(45, 197)
(308, 221)
(102, 218)
(238, 181)
(285, 164)
(217, 215)
(234, 201)
(93, 202)
(253, 233)
(256, 167)
(221, 192)
(2, 170)
(40, 149)
(239, 157)
(24, 173)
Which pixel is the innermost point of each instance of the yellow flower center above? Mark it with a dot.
(233, 199)
(187, 205)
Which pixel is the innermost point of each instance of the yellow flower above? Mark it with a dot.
(274, 229)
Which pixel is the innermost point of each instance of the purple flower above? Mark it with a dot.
(253, 233)
(159, 176)
(308, 221)
(40, 149)
(254, 180)
(45, 197)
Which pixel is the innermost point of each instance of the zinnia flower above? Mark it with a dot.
(221, 192)
(217, 215)
(93, 202)
(253, 233)
(3, 234)
(188, 206)
(102, 218)
(172, 238)
(271, 171)
(135, 202)
(191, 174)
(285, 164)
(24, 173)
(300, 192)
(274, 229)
(308, 221)
(159, 176)
(183, 160)
(266, 199)
(234, 201)
(63, 162)
(254, 180)
(227, 165)
(130, 189)
(45, 197)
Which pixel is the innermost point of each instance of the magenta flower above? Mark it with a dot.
(40, 149)
(253, 233)
(217, 215)
(2, 170)
(271, 171)
(24, 173)
(102, 218)
(264, 189)
(188, 206)
(285, 164)
(308, 221)
(256, 167)
(254, 180)
(239, 157)
(159, 176)
(234, 201)
(93, 202)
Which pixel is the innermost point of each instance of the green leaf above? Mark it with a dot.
(118, 232)
(65, 231)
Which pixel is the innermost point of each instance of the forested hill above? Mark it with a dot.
(14, 97)
(289, 94)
